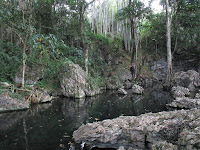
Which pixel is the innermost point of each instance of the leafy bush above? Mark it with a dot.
(96, 81)
(11, 58)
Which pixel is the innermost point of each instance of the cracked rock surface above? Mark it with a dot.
(180, 127)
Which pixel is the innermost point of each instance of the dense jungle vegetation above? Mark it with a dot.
(46, 33)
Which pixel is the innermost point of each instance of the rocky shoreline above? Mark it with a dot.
(178, 128)
(172, 130)
(18, 99)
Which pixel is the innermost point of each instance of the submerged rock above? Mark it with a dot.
(137, 89)
(189, 79)
(179, 91)
(135, 131)
(185, 103)
(122, 91)
(74, 82)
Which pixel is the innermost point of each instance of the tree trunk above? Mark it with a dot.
(24, 64)
(84, 45)
(169, 54)
(176, 26)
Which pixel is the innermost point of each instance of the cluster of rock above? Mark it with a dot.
(179, 91)
(136, 89)
(14, 99)
(185, 83)
(175, 127)
(189, 79)
(185, 103)
(171, 130)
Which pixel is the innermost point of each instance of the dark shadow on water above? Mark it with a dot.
(50, 126)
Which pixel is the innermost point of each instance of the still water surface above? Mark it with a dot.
(50, 126)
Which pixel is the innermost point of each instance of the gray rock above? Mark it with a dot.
(185, 103)
(197, 96)
(113, 85)
(135, 131)
(74, 82)
(122, 91)
(128, 84)
(5, 84)
(40, 97)
(190, 138)
(137, 89)
(8, 103)
(179, 91)
(159, 69)
(32, 75)
(164, 146)
(189, 79)
(121, 148)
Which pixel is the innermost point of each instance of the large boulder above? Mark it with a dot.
(12, 102)
(135, 131)
(189, 79)
(136, 89)
(74, 82)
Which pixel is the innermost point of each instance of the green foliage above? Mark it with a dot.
(106, 42)
(154, 33)
(100, 49)
(50, 30)
(47, 48)
(52, 75)
(135, 9)
(10, 56)
(96, 81)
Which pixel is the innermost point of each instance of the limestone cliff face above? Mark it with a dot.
(32, 75)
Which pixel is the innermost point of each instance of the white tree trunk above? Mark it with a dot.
(24, 65)
(168, 34)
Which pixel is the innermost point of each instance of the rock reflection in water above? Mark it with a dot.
(50, 126)
(152, 101)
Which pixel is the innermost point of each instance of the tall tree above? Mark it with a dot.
(168, 34)
(134, 11)
(83, 5)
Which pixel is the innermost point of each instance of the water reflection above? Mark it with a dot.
(50, 126)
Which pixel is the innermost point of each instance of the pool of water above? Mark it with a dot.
(50, 126)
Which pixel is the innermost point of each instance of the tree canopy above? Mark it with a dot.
(46, 32)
